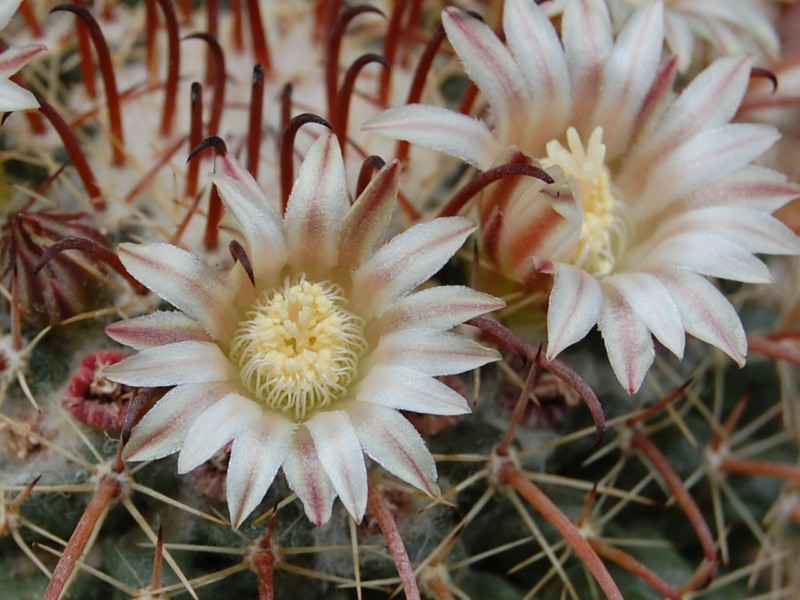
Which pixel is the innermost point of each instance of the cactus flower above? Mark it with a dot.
(305, 350)
(654, 191)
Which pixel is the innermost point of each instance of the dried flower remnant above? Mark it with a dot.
(92, 398)
(69, 283)
(653, 192)
(304, 357)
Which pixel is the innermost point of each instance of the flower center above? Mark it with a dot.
(604, 230)
(298, 348)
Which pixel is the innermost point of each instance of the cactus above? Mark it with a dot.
(571, 467)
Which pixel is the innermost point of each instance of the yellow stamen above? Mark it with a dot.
(603, 234)
(298, 349)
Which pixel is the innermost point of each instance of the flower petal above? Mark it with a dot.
(157, 329)
(185, 281)
(317, 205)
(405, 261)
(680, 39)
(406, 389)
(392, 442)
(753, 230)
(576, 301)
(490, 65)
(707, 254)
(163, 428)
(439, 307)
(705, 312)
(431, 352)
(256, 456)
(709, 101)
(752, 186)
(628, 342)
(260, 222)
(586, 33)
(216, 426)
(440, 129)
(307, 477)
(654, 306)
(341, 456)
(628, 75)
(709, 156)
(7, 10)
(365, 226)
(537, 50)
(14, 97)
(13, 59)
(172, 364)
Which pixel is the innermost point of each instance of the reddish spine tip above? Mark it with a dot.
(465, 194)
(75, 153)
(239, 254)
(286, 150)
(217, 58)
(368, 167)
(254, 126)
(333, 49)
(212, 141)
(342, 113)
(260, 44)
(109, 80)
(173, 66)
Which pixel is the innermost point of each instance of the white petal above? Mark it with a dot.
(342, 457)
(259, 221)
(157, 329)
(753, 230)
(752, 187)
(405, 261)
(256, 456)
(586, 33)
(162, 430)
(307, 478)
(7, 10)
(216, 426)
(185, 281)
(680, 39)
(705, 312)
(707, 254)
(365, 226)
(628, 75)
(438, 307)
(537, 50)
(392, 442)
(490, 65)
(407, 389)
(173, 364)
(431, 352)
(709, 101)
(16, 57)
(575, 304)
(654, 306)
(14, 97)
(317, 205)
(628, 343)
(440, 129)
(703, 159)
